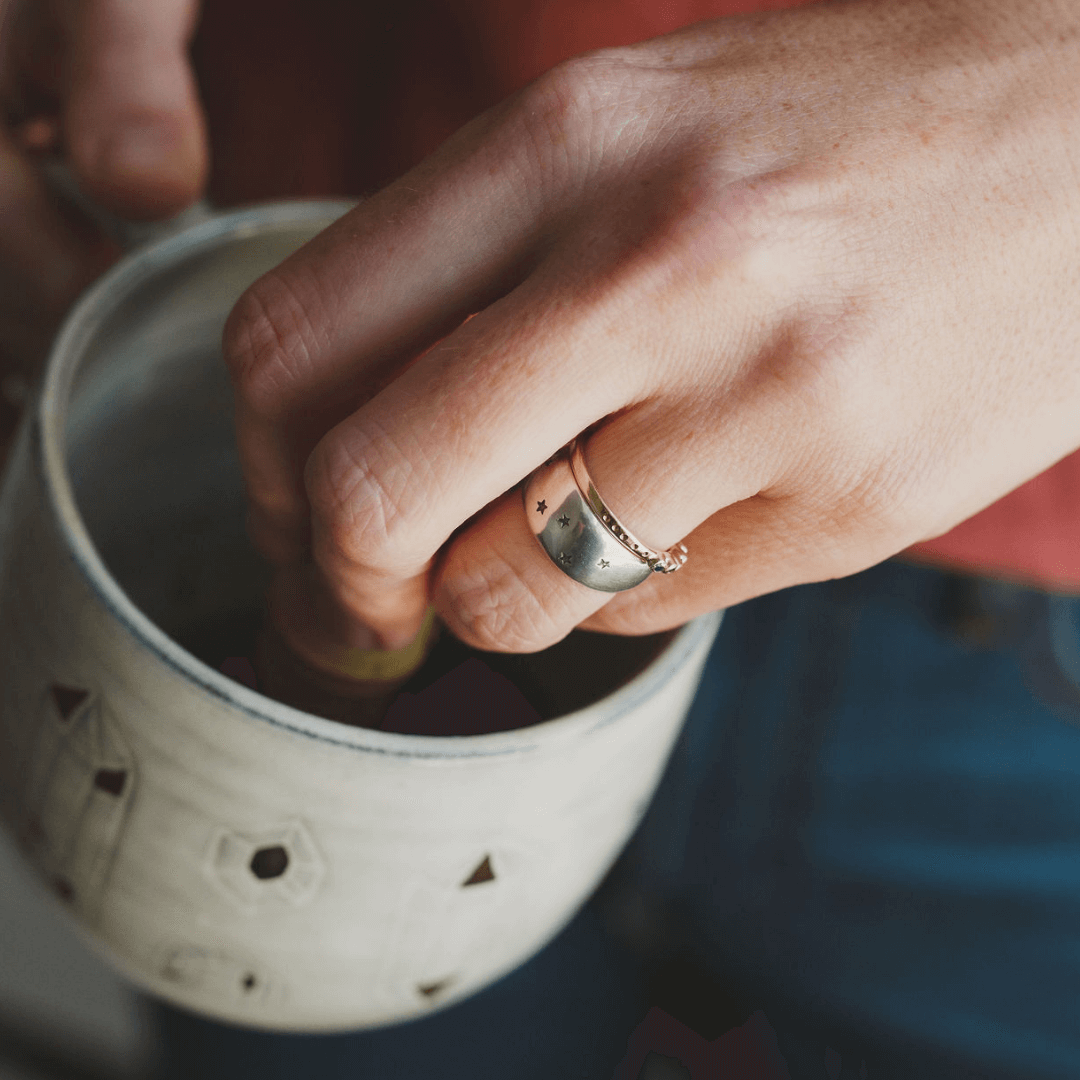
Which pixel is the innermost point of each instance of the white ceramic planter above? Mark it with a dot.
(226, 852)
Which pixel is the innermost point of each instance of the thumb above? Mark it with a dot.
(133, 126)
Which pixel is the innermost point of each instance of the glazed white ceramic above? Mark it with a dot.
(226, 852)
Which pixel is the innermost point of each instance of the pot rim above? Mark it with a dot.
(81, 324)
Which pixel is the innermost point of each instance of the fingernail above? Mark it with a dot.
(138, 149)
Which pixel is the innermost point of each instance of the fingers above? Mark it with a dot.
(132, 123)
(574, 329)
(418, 447)
(459, 428)
(654, 466)
(92, 78)
(336, 325)
(757, 512)
(323, 333)
(743, 551)
(475, 416)
(497, 590)
(48, 253)
(46, 258)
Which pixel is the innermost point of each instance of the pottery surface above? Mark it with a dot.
(226, 852)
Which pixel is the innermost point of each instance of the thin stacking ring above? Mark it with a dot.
(582, 536)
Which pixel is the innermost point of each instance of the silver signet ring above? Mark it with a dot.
(581, 535)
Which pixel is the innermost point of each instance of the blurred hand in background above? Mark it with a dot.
(106, 86)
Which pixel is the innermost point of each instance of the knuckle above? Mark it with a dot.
(877, 478)
(562, 111)
(862, 511)
(493, 608)
(892, 499)
(268, 344)
(358, 500)
(559, 98)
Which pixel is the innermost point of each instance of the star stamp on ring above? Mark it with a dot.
(582, 536)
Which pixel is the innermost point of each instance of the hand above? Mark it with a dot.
(807, 279)
(106, 84)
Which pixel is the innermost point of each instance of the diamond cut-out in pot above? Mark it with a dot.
(217, 975)
(80, 776)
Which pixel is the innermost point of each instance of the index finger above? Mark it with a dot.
(314, 339)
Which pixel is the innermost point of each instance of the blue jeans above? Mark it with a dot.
(869, 829)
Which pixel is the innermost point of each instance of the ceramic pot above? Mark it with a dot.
(228, 853)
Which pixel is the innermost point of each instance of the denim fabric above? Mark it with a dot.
(870, 829)
(882, 835)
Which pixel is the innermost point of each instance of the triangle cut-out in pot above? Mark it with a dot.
(481, 874)
(67, 699)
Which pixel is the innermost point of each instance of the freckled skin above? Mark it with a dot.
(805, 278)
(765, 293)
(775, 294)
